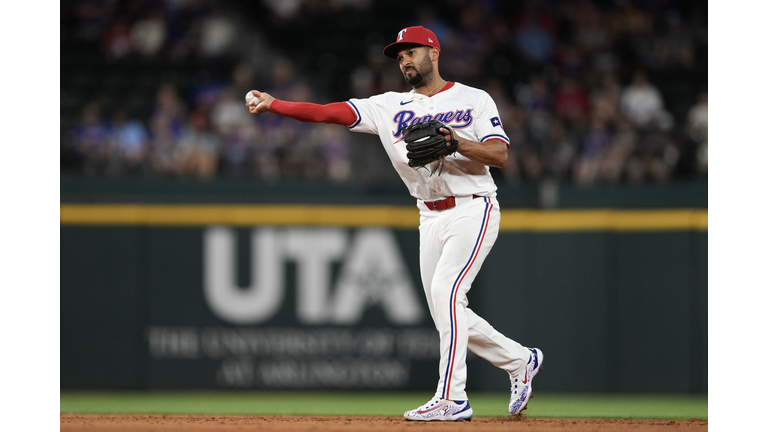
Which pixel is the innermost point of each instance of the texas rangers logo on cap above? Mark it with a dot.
(417, 35)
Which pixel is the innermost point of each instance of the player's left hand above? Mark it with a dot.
(449, 135)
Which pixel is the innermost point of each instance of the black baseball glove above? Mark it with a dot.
(426, 144)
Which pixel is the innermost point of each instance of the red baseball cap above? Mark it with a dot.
(412, 35)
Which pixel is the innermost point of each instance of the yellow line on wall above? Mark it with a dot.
(238, 215)
(601, 220)
(356, 216)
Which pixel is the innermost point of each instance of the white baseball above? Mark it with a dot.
(249, 97)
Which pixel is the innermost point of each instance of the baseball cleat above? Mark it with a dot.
(522, 390)
(441, 410)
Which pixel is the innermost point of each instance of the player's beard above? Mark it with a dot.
(421, 77)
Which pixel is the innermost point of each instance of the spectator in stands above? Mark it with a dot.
(605, 98)
(664, 156)
(654, 159)
(207, 89)
(169, 105)
(284, 10)
(697, 128)
(534, 34)
(626, 18)
(148, 33)
(164, 154)
(334, 152)
(296, 152)
(266, 149)
(536, 100)
(615, 158)
(594, 148)
(130, 142)
(217, 33)
(642, 104)
(571, 102)
(168, 119)
(199, 147)
(90, 138)
(227, 112)
(238, 147)
(535, 95)
(180, 31)
(586, 18)
(674, 46)
(283, 77)
(116, 41)
(570, 61)
(559, 152)
(243, 79)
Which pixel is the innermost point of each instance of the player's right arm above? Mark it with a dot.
(333, 113)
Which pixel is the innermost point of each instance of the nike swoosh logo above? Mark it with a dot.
(403, 103)
(432, 409)
(525, 381)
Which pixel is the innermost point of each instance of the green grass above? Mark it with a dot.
(379, 404)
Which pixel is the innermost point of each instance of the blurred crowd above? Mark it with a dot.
(589, 91)
(172, 28)
(201, 130)
(213, 134)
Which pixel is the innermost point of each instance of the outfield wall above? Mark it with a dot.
(324, 297)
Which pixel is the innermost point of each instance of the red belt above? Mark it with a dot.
(444, 204)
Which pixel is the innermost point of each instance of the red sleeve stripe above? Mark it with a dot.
(357, 114)
(496, 137)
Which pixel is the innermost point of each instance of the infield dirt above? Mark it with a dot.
(215, 423)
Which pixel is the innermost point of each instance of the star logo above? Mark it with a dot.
(495, 121)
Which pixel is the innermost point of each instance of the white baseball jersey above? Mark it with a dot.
(453, 243)
(469, 111)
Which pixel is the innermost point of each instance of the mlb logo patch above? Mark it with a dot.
(496, 122)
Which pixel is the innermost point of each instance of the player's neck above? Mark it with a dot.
(432, 87)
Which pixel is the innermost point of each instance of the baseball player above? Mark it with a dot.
(456, 197)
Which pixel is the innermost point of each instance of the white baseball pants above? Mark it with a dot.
(453, 246)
